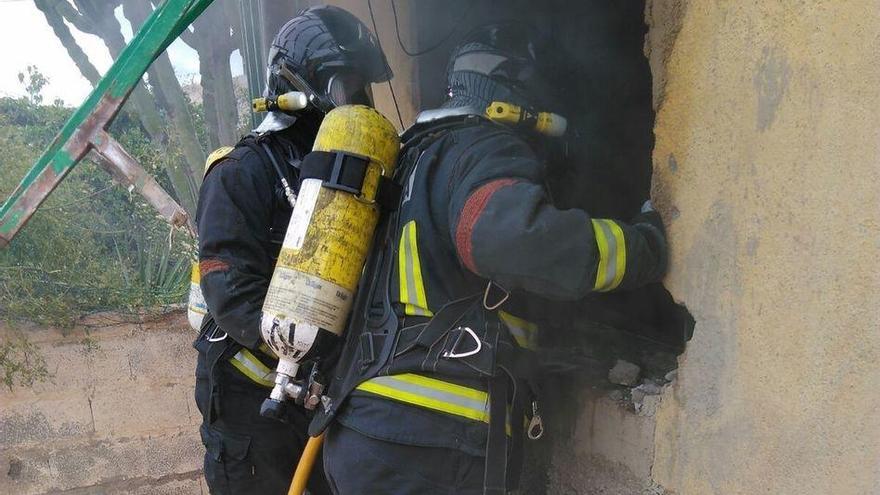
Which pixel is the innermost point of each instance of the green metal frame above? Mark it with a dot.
(252, 52)
(86, 132)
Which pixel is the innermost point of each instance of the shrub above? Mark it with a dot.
(93, 245)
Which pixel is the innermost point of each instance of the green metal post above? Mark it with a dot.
(253, 55)
(85, 131)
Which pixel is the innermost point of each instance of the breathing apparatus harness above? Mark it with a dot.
(464, 339)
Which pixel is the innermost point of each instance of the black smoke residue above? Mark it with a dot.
(603, 87)
(602, 83)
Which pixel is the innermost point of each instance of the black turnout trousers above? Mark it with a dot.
(244, 452)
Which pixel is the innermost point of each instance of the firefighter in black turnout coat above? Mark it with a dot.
(434, 382)
(244, 207)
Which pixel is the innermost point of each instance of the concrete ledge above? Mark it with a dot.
(117, 415)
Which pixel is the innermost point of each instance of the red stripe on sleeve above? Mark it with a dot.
(470, 214)
(211, 265)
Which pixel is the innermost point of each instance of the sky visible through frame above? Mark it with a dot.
(26, 39)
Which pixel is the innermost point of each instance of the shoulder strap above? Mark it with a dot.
(264, 148)
(418, 131)
(380, 277)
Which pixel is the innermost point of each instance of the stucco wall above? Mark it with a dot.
(116, 416)
(766, 171)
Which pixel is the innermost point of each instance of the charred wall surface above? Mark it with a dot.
(601, 82)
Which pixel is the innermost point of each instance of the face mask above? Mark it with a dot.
(347, 89)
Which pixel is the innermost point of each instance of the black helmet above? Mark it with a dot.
(328, 54)
(497, 62)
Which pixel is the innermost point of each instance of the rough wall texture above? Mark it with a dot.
(766, 169)
(116, 417)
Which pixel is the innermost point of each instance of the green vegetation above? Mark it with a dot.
(93, 245)
(21, 363)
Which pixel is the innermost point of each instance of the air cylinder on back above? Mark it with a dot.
(328, 238)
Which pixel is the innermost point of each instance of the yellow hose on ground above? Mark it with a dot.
(306, 463)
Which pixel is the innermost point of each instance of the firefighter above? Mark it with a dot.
(244, 207)
(436, 375)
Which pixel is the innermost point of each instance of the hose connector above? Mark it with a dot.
(546, 123)
(288, 102)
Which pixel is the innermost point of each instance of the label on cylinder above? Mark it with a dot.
(308, 299)
(322, 258)
(302, 213)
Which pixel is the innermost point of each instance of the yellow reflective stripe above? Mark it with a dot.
(523, 331)
(620, 259)
(409, 266)
(421, 298)
(612, 254)
(403, 279)
(265, 349)
(431, 393)
(252, 368)
(602, 243)
(195, 277)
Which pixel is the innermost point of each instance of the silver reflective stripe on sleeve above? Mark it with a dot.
(523, 331)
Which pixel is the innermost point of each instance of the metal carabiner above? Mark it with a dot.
(536, 424)
(497, 305)
(213, 338)
(451, 354)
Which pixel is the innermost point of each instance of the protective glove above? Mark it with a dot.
(650, 225)
(649, 215)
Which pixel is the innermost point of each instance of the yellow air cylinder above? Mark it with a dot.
(330, 231)
(196, 307)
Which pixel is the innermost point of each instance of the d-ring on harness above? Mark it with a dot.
(503, 299)
(463, 331)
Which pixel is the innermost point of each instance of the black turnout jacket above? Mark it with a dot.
(242, 217)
